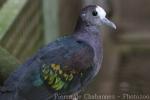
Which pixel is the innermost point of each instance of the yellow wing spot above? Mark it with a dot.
(70, 77)
(51, 79)
(50, 82)
(58, 84)
(55, 67)
(45, 70)
(60, 71)
(45, 77)
(66, 76)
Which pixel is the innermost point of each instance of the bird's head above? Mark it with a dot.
(95, 15)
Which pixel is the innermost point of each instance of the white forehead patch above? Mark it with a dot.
(101, 12)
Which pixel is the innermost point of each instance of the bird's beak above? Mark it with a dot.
(108, 23)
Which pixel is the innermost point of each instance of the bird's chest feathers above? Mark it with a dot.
(94, 39)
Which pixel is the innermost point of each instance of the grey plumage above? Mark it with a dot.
(64, 66)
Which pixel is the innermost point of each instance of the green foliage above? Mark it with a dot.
(7, 64)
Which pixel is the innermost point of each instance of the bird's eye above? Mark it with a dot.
(94, 13)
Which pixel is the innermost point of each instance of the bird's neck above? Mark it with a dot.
(88, 33)
(92, 36)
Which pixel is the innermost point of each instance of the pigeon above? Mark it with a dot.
(63, 67)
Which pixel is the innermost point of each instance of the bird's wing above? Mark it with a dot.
(61, 66)
(65, 64)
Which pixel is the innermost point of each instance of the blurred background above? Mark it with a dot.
(27, 25)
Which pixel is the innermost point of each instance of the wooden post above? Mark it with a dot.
(50, 10)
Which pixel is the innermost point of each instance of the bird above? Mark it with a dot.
(63, 67)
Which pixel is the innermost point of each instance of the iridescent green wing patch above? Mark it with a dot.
(55, 77)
